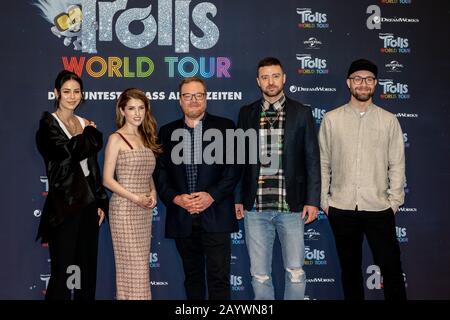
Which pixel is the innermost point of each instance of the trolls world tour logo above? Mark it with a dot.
(310, 65)
(154, 261)
(44, 180)
(237, 238)
(83, 24)
(393, 44)
(393, 91)
(236, 283)
(314, 256)
(155, 214)
(312, 20)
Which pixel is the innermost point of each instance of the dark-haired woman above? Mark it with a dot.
(76, 202)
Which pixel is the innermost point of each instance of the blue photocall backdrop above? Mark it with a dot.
(152, 44)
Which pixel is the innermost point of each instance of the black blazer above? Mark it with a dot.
(68, 192)
(301, 158)
(219, 180)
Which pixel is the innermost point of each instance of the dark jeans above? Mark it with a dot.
(349, 228)
(215, 250)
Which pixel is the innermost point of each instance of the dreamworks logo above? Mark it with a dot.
(375, 279)
(44, 180)
(407, 210)
(314, 257)
(159, 283)
(155, 214)
(312, 43)
(321, 280)
(294, 89)
(237, 238)
(310, 65)
(154, 260)
(375, 19)
(236, 283)
(406, 115)
(311, 234)
(394, 66)
(402, 236)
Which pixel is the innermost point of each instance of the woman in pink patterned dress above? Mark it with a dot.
(129, 164)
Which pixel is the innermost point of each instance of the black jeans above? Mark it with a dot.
(349, 228)
(215, 250)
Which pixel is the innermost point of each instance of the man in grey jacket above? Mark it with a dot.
(363, 176)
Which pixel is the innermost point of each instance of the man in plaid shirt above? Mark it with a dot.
(278, 194)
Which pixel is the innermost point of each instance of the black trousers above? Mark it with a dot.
(74, 243)
(349, 228)
(215, 250)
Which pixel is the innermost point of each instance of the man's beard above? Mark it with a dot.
(194, 114)
(269, 94)
(363, 97)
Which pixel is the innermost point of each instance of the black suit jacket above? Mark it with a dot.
(301, 158)
(219, 180)
(69, 192)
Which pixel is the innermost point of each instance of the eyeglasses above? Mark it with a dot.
(199, 96)
(359, 80)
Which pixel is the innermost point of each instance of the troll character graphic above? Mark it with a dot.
(66, 17)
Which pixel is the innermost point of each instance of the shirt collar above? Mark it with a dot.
(202, 121)
(356, 109)
(277, 105)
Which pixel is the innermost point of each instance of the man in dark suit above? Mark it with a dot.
(197, 190)
(283, 195)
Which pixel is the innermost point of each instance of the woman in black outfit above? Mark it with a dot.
(76, 202)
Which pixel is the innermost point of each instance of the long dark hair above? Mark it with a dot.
(63, 77)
